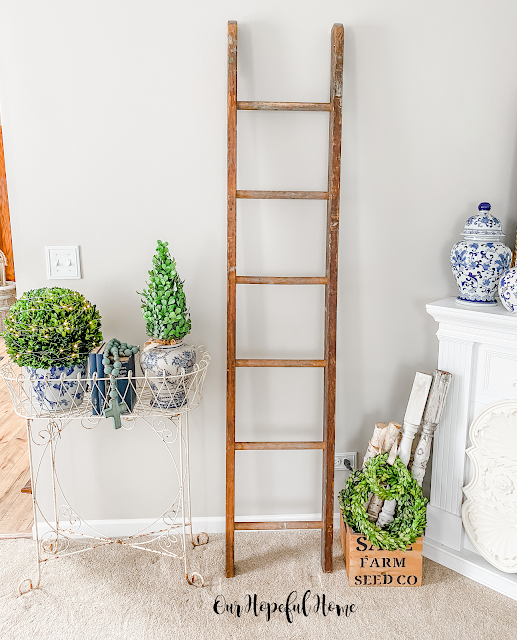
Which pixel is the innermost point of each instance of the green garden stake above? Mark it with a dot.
(116, 409)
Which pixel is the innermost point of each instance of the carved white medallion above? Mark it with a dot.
(490, 510)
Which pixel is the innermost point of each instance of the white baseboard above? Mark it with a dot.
(444, 528)
(217, 524)
(473, 566)
(23, 534)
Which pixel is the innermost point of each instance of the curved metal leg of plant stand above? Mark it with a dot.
(31, 586)
(187, 516)
(198, 541)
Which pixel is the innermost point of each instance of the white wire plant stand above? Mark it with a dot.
(161, 403)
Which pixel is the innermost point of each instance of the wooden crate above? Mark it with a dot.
(368, 566)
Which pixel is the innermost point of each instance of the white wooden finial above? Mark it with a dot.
(412, 419)
(432, 416)
(414, 413)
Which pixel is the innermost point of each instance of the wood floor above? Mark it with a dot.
(15, 507)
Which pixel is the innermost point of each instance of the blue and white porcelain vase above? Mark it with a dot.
(57, 388)
(508, 290)
(167, 365)
(480, 259)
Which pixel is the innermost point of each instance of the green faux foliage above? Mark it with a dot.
(376, 477)
(51, 327)
(164, 306)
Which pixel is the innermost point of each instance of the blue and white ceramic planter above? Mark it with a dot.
(57, 388)
(479, 261)
(167, 362)
(508, 290)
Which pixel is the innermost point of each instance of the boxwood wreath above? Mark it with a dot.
(409, 522)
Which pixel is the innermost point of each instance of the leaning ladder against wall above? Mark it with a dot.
(329, 280)
(6, 244)
(7, 284)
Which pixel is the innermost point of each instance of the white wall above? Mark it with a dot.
(114, 117)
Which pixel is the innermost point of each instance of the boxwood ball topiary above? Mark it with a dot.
(51, 327)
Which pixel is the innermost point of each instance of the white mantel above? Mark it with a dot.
(478, 345)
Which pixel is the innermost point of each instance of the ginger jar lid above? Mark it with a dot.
(483, 225)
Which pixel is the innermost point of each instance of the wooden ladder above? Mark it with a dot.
(329, 280)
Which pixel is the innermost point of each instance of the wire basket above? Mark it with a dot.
(7, 299)
(72, 394)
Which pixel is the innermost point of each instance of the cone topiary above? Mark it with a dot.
(164, 305)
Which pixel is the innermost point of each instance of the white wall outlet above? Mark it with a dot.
(63, 263)
(345, 461)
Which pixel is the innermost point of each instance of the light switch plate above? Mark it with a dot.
(63, 263)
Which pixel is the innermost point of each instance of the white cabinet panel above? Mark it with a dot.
(496, 374)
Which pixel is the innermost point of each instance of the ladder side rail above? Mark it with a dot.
(334, 171)
(231, 296)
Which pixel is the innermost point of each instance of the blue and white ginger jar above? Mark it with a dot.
(57, 388)
(508, 290)
(480, 259)
(167, 365)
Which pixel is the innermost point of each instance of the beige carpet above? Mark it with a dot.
(120, 593)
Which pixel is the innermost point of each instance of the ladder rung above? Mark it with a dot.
(293, 524)
(280, 363)
(272, 446)
(284, 195)
(280, 280)
(283, 106)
